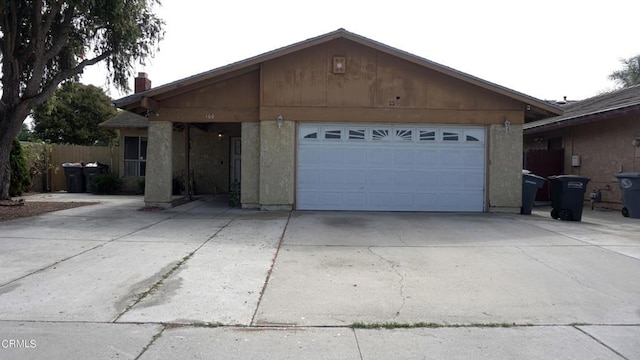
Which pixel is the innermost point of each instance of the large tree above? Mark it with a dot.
(629, 75)
(44, 42)
(72, 115)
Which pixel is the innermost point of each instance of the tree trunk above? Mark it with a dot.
(10, 124)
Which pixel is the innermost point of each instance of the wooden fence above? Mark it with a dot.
(54, 179)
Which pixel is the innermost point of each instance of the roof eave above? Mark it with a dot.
(533, 128)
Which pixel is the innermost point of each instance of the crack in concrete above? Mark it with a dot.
(402, 240)
(156, 285)
(393, 267)
(574, 278)
(105, 242)
(151, 342)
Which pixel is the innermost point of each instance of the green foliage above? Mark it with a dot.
(44, 43)
(20, 179)
(630, 73)
(234, 200)
(396, 325)
(26, 134)
(38, 156)
(141, 185)
(105, 184)
(72, 115)
(77, 33)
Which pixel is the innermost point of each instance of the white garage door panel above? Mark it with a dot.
(387, 168)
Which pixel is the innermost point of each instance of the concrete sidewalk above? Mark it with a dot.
(206, 281)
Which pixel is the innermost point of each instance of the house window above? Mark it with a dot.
(135, 155)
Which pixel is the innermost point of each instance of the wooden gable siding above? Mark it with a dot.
(234, 99)
(375, 87)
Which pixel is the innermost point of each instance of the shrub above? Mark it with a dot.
(105, 184)
(20, 179)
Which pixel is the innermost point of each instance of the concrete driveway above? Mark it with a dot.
(205, 281)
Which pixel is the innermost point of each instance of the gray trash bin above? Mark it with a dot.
(75, 177)
(630, 186)
(567, 196)
(93, 169)
(530, 185)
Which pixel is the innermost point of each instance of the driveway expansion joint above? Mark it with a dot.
(600, 342)
(273, 263)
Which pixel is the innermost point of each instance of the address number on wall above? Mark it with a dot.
(209, 116)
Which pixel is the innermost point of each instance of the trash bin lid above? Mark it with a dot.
(533, 176)
(628, 175)
(79, 165)
(569, 178)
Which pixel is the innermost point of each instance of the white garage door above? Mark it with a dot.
(390, 167)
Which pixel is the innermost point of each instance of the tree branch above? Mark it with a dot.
(63, 38)
(42, 56)
(46, 27)
(52, 84)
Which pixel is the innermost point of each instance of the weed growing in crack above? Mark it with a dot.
(396, 325)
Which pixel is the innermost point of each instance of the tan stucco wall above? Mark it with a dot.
(250, 187)
(505, 168)
(277, 165)
(159, 150)
(605, 149)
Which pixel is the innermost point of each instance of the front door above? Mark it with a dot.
(235, 155)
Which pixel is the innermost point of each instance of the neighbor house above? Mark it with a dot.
(596, 138)
(336, 122)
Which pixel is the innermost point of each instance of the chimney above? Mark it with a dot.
(141, 83)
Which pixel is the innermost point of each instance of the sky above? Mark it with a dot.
(547, 49)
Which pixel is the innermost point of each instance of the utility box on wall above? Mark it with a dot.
(575, 160)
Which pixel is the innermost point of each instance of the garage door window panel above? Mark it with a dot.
(404, 135)
(381, 134)
(427, 135)
(357, 134)
(450, 136)
(308, 133)
(474, 136)
(333, 134)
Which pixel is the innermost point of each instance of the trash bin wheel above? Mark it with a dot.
(554, 214)
(625, 212)
(565, 214)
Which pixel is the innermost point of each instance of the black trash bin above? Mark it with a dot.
(567, 196)
(530, 185)
(75, 177)
(630, 186)
(93, 169)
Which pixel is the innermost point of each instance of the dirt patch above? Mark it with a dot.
(32, 208)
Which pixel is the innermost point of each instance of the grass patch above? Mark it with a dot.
(396, 325)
